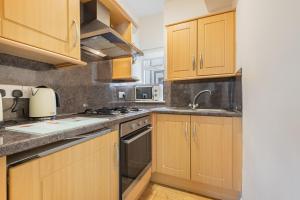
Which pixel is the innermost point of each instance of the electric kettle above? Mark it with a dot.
(43, 102)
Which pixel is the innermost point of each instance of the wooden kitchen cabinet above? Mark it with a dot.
(202, 48)
(74, 29)
(49, 25)
(210, 163)
(3, 180)
(122, 69)
(182, 50)
(211, 151)
(85, 171)
(216, 45)
(173, 145)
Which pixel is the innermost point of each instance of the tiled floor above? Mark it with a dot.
(158, 192)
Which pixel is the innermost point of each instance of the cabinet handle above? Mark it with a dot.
(76, 33)
(186, 131)
(194, 132)
(201, 61)
(117, 155)
(194, 63)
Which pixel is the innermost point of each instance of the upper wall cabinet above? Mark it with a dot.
(182, 50)
(53, 26)
(216, 45)
(122, 70)
(202, 48)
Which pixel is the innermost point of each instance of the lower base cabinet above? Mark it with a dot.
(173, 145)
(85, 171)
(3, 178)
(211, 151)
(200, 154)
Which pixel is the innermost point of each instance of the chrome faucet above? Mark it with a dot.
(194, 105)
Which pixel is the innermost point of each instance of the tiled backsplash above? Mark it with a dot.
(90, 85)
(226, 93)
(75, 85)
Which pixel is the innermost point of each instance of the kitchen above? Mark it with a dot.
(162, 99)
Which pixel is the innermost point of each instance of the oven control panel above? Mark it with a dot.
(133, 125)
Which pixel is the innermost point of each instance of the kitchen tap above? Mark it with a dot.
(194, 105)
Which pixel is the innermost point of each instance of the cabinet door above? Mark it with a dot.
(216, 44)
(173, 145)
(85, 171)
(24, 181)
(40, 23)
(211, 151)
(122, 68)
(182, 50)
(3, 179)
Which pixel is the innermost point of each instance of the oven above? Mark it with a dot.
(135, 151)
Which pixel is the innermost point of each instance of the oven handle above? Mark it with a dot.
(137, 136)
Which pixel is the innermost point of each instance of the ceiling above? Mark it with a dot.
(141, 8)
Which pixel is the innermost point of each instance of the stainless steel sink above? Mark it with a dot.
(208, 110)
(195, 110)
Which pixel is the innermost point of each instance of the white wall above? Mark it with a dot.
(151, 31)
(178, 10)
(268, 49)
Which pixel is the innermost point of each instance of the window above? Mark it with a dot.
(153, 67)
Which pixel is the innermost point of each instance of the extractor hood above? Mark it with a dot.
(98, 40)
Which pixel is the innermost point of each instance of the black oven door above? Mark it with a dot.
(135, 155)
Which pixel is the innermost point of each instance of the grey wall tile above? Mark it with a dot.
(91, 85)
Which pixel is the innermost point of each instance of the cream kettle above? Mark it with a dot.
(43, 102)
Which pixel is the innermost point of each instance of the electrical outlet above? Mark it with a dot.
(10, 88)
(122, 95)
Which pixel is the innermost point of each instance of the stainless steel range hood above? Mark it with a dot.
(98, 40)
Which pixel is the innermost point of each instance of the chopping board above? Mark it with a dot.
(55, 126)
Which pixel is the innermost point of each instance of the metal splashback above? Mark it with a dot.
(98, 40)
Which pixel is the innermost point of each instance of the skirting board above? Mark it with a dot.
(197, 188)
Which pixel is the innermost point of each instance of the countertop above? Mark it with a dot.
(201, 112)
(14, 142)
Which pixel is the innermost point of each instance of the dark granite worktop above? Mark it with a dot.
(14, 142)
(201, 112)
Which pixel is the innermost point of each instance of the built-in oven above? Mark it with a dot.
(135, 151)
